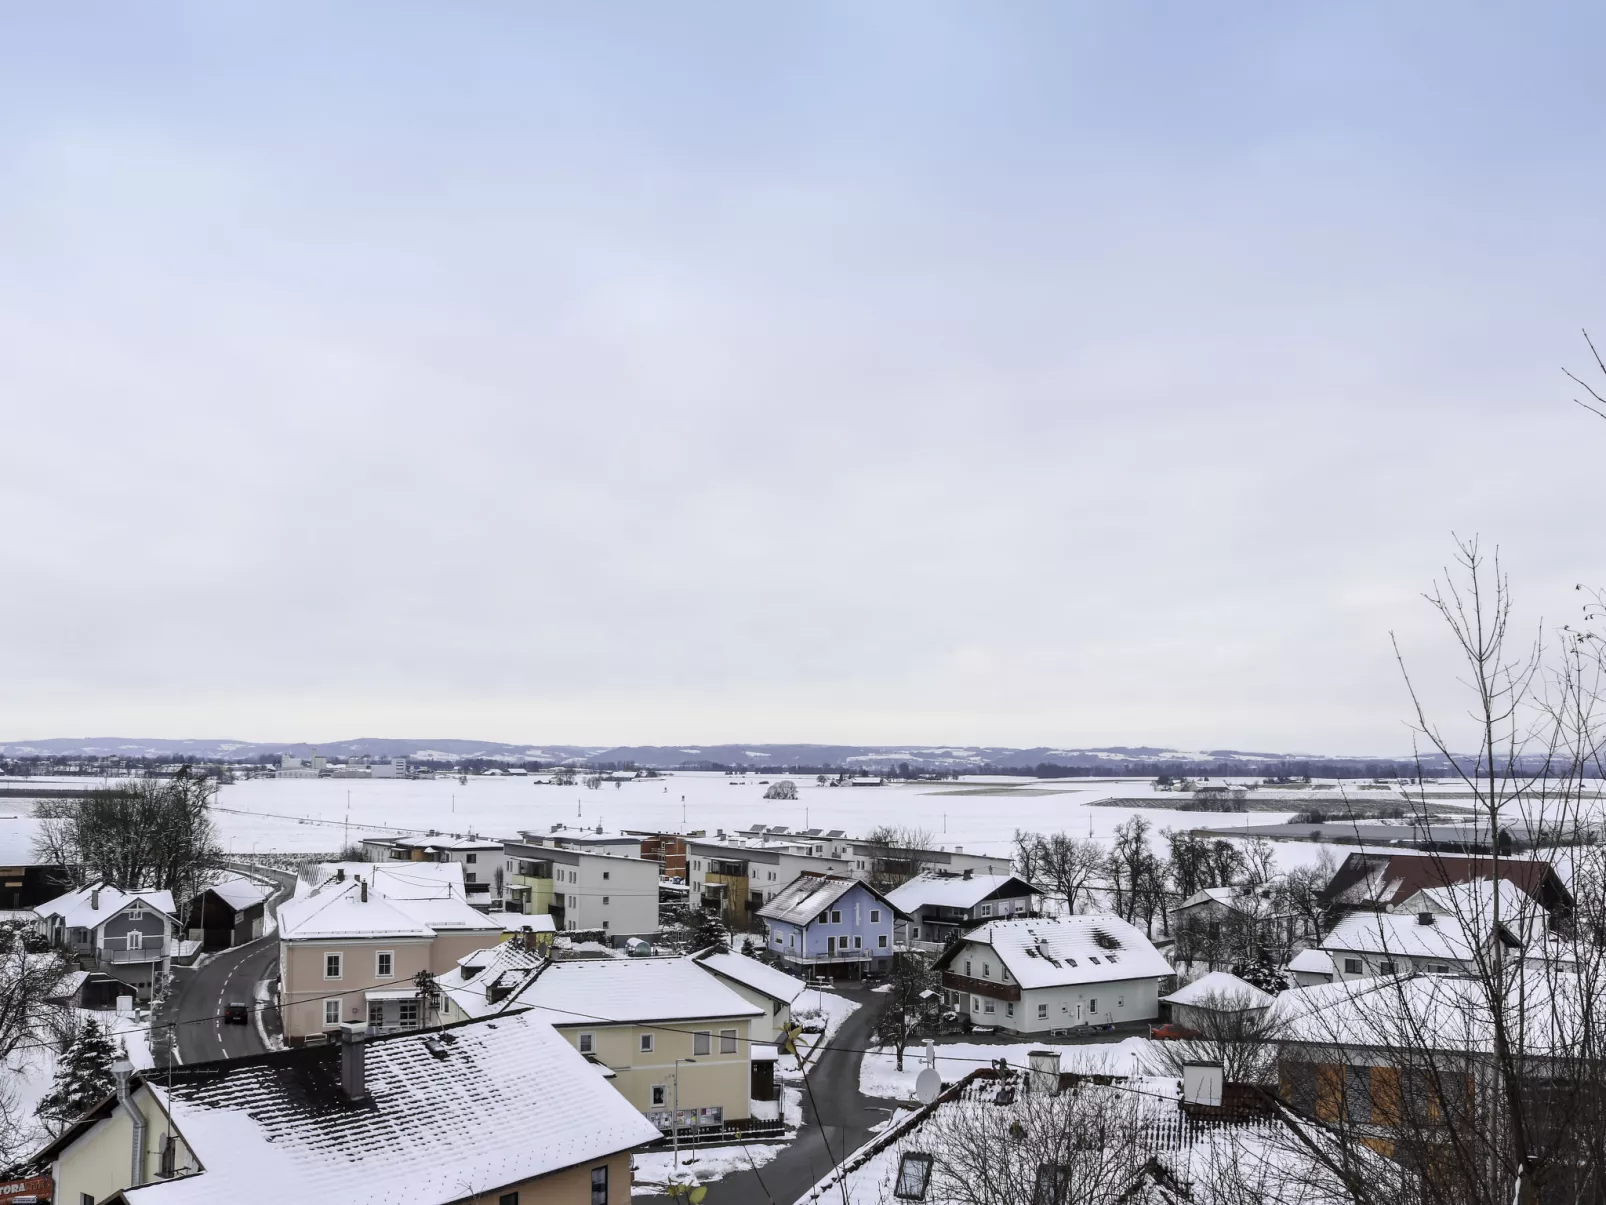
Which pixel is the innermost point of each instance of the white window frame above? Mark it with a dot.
(644, 1043)
(875, 916)
(331, 1004)
(586, 1043)
(836, 916)
(1042, 1012)
(379, 967)
(339, 957)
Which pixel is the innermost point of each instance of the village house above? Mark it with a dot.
(1038, 976)
(350, 951)
(584, 890)
(484, 867)
(831, 925)
(654, 1023)
(1374, 882)
(1440, 934)
(596, 840)
(229, 912)
(131, 936)
(940, 906)
(759, 984)
(375, 1122)
(1217, 1003)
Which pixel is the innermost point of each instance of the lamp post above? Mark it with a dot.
(674, 1116)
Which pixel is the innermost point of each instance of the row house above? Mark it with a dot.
(584, 890)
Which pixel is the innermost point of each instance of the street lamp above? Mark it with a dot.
(674, 1116)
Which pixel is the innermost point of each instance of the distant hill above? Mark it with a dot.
(1112, 760)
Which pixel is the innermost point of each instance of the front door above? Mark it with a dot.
(1079, 1013)
(830, 946)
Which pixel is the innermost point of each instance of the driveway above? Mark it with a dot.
(198, 995)
(836, 1121)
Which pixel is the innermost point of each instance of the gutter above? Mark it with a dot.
(122, 1069)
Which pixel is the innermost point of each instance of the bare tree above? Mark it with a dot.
(1070, 866)
(896, 854)
(914, 985)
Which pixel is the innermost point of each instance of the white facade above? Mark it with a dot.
(597, 891)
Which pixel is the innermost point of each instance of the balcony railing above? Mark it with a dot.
(981, 987)
(151, 951)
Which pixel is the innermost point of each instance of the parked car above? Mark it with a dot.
(1172, 1032)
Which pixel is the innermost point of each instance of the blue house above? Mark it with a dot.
(831, 925)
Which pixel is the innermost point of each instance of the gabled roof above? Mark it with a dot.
(1385, 880)
(452, 1112)
(398, 880)
(626, 990)
(1221, 990)
(1050, 952)
(1403, 934)
(802, 900)
(751, 973)
(92, 906)
(1312, 962)
(936, 890)
(340, 911)
(504, 966)
(239, 892)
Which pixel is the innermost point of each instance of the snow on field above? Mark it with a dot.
(879, 1075)
(654, 1169)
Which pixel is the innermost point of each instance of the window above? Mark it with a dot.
(136, 940)
(836, 916)
(1042, 1012)
(1440, 968)
(86, 1198)
(469, 877)
(700, 1042)
(599, 1185)
(471, 858)
(1352, 966)
(989, 1007)
(1009, 1009)
(914, 1177)
(604, 901)
(727, 1041)
(586, 1043)
(1093, 958)
(881, 941)
(508, 1198)
(1053, 1184)
(875, 916)
(1093, 1005)
(986, 970)
(331, 1011)
(376, 1014)
(605, 876)
(646, 1043)
(384, 964)
(986, 909)
(858, 942)
(407, 1014)
(604, 923)
(659, 1092)
(1386, 967)
(1109, 958)
(331, 966)
(967, 968)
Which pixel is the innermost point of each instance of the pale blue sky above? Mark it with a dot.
(953, 373)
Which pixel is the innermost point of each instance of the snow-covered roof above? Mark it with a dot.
(504, 966)
(1475, 902)
(451, 1112)
(517, 922)
(1048, 952)
(1312, 962)
(92, 906)
(802, 900)
(1400, 934)
(398, 880)
(752, 973)
(443, 841)
(340, 911)
(948, 890)
(241, 893)
(625, 990)
(1221, 990)
(448, 914)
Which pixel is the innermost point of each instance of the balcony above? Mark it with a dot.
(981, 987)
(151, 951)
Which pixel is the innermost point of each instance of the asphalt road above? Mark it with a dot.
(836, 1121)
(199, 994)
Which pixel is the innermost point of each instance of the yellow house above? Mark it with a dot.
(672, 1034)
(381, 1121)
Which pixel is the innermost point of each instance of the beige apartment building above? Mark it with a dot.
(656, 1022)
(348, 953)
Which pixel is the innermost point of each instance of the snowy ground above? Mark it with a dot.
(813, 1006)
(655, 1168)
(28, 1075)
(880, 1078)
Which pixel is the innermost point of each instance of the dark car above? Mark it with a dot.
(237, 1013)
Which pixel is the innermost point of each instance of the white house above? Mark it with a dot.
(1363, 944)
(1038, 976)
(940, 906)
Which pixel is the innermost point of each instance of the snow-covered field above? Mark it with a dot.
(879, 1075)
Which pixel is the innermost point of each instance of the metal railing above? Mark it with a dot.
(151, 952)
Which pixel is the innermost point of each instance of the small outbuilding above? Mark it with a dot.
(1203, 1003)
(230, 912)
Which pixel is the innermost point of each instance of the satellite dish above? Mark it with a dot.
(927, 1085)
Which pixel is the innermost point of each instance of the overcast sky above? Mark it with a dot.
(1008, 373)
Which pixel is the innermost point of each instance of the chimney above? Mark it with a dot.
(1424, 918)
(94, 898)
(1201, 1084)
(340, 874)
(353, 1061)
(364, 883)
(967, 873)
(1044, 1076)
